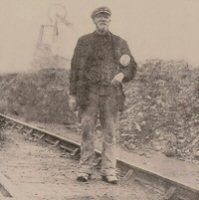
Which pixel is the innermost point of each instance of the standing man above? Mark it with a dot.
(100, 64)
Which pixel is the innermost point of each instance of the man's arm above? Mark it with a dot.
(129, 71)
(74, 70)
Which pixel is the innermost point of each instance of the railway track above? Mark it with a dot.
(168, 188)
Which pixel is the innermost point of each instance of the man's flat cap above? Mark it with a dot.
(101, 10)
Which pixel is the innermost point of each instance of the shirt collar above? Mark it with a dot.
(107, 34)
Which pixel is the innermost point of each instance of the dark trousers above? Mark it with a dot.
(102, 104)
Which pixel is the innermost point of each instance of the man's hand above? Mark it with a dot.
(72, 102)
(117, 79)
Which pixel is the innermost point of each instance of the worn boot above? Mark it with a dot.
(110, 179)
(83, 177)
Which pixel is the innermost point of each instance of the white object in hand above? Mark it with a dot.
(125, 60)
(117, 79)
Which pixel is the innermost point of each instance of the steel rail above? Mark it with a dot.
(171, 188)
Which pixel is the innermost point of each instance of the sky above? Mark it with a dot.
(153, 28)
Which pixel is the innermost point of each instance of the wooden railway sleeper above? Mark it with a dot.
(49, 141)
(129, 175)
(75, 153)
(8, 124)
(149, 184)
(41, 137)
(30, 132)
(56, 143)
(65, 148)
(25, 131)
(170, 193)
(19, 127)
(13, 125)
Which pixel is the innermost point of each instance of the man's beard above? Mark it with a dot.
(102, 27)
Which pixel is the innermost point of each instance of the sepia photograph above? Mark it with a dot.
(99, 100)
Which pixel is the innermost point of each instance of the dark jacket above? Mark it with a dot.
(81, 64)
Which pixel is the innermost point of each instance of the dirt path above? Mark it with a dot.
(43, 173)
(180, 171)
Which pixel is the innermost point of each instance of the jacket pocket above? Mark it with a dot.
(82, 93)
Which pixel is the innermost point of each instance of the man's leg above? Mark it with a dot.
(108, 118)
(88, 122)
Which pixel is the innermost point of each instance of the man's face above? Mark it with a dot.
(102, 21)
